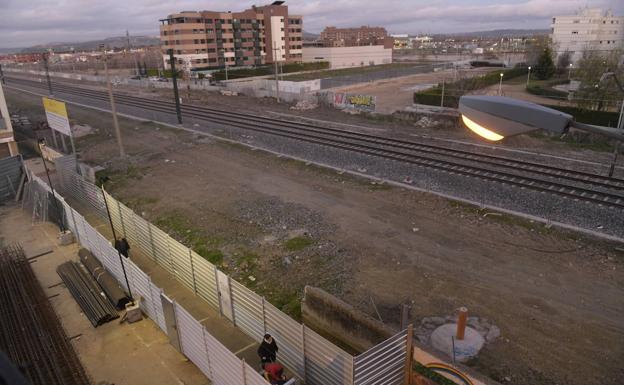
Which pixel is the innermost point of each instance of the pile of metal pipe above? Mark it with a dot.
(31, 334)
(111, 287)
(90, 297)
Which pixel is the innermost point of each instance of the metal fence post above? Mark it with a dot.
(408, 354)
(123, 227)
(192, 270)
(149, 229)
(71, 211)
(263, 317)
(303, 355)
(231, 300)
(243, 371)
(216, 275)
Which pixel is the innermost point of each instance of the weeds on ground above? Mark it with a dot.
(298, 243)
(179, 227)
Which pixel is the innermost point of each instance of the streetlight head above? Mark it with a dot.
(497, 117)
(529, 67)
(502, 74)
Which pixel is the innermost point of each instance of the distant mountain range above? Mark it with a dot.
(498, 33)
(110, 42)
(144, 41)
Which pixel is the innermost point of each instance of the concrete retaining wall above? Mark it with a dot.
(341, 320)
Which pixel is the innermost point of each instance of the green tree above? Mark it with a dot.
(545, 67)
(594, 94)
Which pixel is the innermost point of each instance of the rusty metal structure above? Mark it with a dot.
(31, 334)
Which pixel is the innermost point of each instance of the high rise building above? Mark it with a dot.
(255, 36)
(589, 29)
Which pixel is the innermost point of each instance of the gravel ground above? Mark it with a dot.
(546, 290)
(550, 207)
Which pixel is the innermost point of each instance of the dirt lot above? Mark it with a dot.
(278, 225)
(394, 94)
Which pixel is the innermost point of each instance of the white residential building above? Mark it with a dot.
(589, 29)
(344, 57)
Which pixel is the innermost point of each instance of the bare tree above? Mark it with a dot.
(594, 94)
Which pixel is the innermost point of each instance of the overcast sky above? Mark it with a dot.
(30, 22)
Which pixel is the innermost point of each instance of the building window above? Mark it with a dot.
(576, 21)
(574, 32)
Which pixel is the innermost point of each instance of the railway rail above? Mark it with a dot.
(578, 185)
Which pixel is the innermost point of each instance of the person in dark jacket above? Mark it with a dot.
(123, 246)
(267, 350)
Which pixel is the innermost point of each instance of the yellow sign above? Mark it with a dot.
(55, 107)
(56, 113)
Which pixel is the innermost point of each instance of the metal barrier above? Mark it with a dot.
(10, 175)
(220, 365)
(305, 353)
(392, 353)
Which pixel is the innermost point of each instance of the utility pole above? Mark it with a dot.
(122, 153)
(136, 66)
(176, 95)
(275, 49)
(44, 56)
(442, 98)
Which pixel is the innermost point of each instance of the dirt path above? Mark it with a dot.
(279, 225)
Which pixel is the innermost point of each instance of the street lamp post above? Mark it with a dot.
(570, 71)
(620, 125)
(174, 77)
(497, 117)
(500, 84)
(110, 220)
(111, 98)
(528, 77)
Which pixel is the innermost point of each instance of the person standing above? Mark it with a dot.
(267, 350)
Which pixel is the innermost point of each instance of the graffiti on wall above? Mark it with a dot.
(355, 101)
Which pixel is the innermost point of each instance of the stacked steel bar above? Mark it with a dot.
(111, 287)
(30, 333)
(90, 297)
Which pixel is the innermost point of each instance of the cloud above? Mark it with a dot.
(42, 21)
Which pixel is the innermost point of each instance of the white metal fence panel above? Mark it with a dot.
(326, 364)
(191, 334)
(10, 174)
(157, 306)
(141, 286)
(289, 336)
(392, 353)
(226, 367)
(252, 377)
(145, 236)
(113, 209)
(248, 310)
(181, 261)
(160, 240)
(127, 219)
(205, 280)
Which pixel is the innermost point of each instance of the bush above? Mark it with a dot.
(453, 91)
(599, 118)
(547, 92)
(155, 72)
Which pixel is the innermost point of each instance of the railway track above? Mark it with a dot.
(573, 184)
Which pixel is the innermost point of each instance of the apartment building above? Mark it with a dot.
(351, 37)
(255, 36)
(589, 29)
